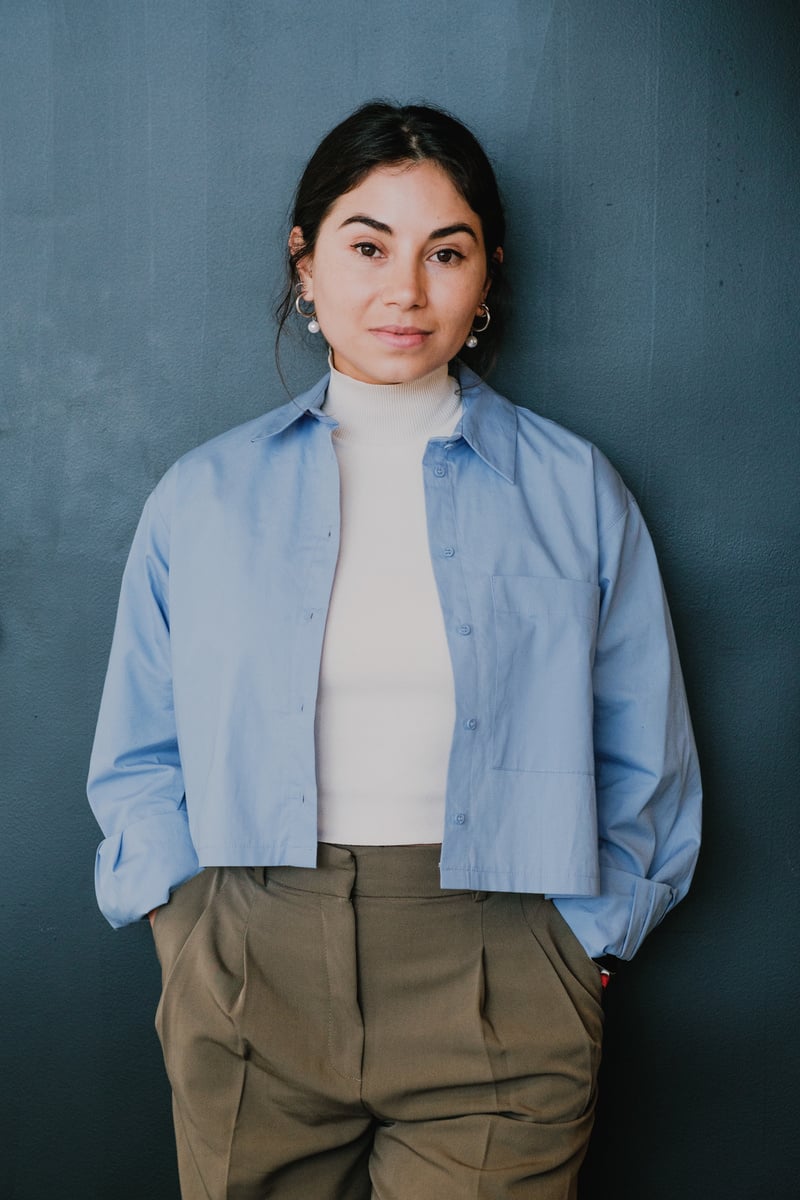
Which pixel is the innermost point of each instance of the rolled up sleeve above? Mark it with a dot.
(646, 770)
(135, 784)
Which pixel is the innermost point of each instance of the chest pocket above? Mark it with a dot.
(545, 631)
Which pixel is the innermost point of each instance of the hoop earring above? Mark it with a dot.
(311, 317)
(472, 340)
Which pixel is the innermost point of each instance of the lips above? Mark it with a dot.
(401, 336)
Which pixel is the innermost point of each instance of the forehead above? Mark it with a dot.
(418, 195)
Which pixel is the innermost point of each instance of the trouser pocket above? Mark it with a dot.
(560, 944)
(543, 1010)
(199, 939)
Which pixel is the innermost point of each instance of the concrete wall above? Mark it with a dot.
(648, 151)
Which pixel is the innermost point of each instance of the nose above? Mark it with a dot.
(404, 286)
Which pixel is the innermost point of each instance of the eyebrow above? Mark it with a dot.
(380, 227)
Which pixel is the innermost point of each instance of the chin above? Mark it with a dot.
(394, 365)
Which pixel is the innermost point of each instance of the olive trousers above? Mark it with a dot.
(353, 1032)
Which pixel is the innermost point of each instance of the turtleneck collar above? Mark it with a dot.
(392, 412)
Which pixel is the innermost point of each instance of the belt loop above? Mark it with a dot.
(479, 897)
(260, 875)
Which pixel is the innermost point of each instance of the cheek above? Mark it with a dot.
(340, 294)
(463, 301)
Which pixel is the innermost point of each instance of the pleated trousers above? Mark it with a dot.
(354, 1032)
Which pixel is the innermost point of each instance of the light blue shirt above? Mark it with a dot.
(572, 767)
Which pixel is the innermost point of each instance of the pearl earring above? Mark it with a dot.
(472, 340)
(311, 317)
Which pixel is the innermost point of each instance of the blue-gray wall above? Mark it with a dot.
(648, 150)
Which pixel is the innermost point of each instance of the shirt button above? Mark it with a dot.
(448, 551)
(471, 723)
(460, 818)
(465, 630)
(440, 469)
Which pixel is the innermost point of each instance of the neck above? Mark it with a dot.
(391, 412)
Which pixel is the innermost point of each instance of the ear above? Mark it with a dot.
(497, 259)
(303, 263)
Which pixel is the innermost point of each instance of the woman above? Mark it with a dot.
(393, 745)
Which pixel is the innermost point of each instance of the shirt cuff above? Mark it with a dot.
(135, 870)
(618, 920)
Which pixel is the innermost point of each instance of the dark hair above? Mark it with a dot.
(376, 135)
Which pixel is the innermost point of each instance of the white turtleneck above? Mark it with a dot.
(386, 702)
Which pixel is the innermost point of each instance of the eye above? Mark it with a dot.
(447, 255)
(366, 249)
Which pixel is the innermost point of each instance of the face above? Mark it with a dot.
(397, 274)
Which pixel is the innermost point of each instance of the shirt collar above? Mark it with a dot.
(488, 424)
